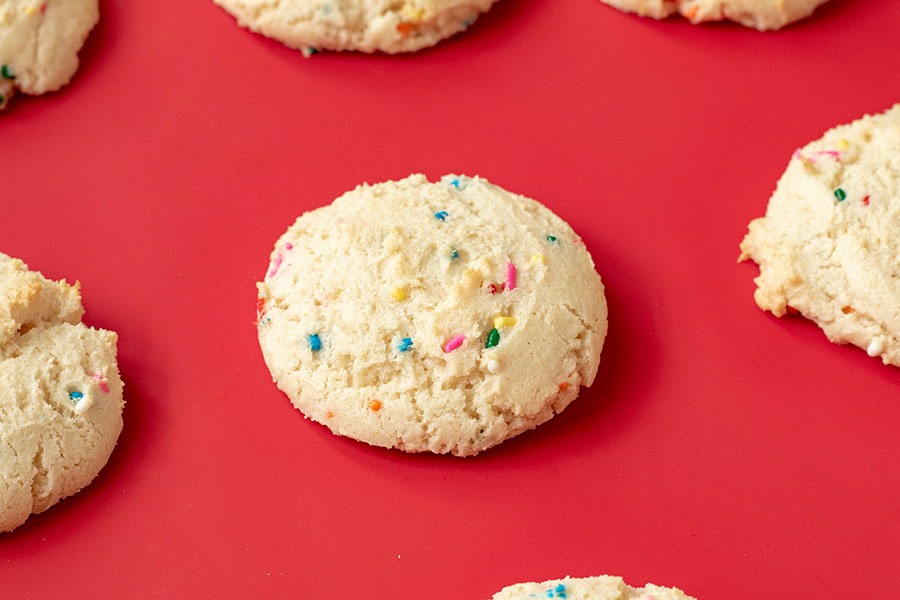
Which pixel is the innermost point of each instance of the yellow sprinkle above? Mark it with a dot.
(843, 145)
(538, 258)
(504, 322)
(412, 13)
(399, 294)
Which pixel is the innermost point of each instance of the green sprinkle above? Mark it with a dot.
(493, 339)
(7, 74)
(551, 238)
(840, 194)
(1, 98)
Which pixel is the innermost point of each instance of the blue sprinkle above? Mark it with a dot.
(405, 344)
(440, 215)
(455, 183)
(454, 255)
(75, 396)
(315, 344)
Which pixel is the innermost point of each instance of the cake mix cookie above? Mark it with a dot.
(759, 14)
(39, 43)
(364, 25)
(829, 245)
(604, 587)
(442, 317)
(60, 394)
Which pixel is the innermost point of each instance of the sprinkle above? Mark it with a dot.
(309, 51)
(404, 28)
(510, 276)
(493, 366)
(374, 405)
(75, 396)
(866, 200)
(329, 415)
(260, 308)
(413, 13)
(454, 343)
(493, 339)
(691, 13)
(840, 194)
(504, 322)
(455, 183)
(551, 238)
(843, 145)
(405, 344)
(6, 73)
(289, 245)
(847, 310)
(315, 344)
(798, 154)
(399, 294)
(84, 405)
(831, 153)
(454, 254)
(564, 386)
(103, 386)
(440, 215)
(875, 348)
(538, 258)
(275, 264)
(495, 289)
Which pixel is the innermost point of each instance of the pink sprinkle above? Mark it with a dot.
(289, 245)
(797, 154)
(103, 386)
(454, 343)
(510, 276)
(275, 264)
(831, 153)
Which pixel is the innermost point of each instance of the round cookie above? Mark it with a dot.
(39, 43)
(759, 14)
(829, 245)
(605, 587)
(364, 25)
(60, 394)
(442, 317)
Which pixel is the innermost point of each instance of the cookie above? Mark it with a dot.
(441, 317)
(60, 394)
(364, 25)
(39, 43)
(605, 587)
(759, 14)
(829, 245)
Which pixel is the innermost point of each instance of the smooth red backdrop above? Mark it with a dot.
(722, 450)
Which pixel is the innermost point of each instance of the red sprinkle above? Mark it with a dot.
(495, 289)
(260, 308)
(866, 200)
(563, 386)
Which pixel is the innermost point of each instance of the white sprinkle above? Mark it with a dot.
(84, 405)
(493, 366)
(875, 348)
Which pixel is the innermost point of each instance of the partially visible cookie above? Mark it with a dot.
(759, 14)
(605, 587)
(442, 317)
(363, 25)
(60, 394)
(39, 43)
(829, 245)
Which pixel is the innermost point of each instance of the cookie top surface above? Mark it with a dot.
(604, 587)
(39, 42)
(442, 317)
(60, 394)
(829, 245)
(759, 14)
(364, 25)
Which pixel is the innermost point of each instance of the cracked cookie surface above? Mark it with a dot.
(442, 317)
(60, 394)
(39, 43)
(829, 244)
(363, 25)
(758, 14)
(604, 587)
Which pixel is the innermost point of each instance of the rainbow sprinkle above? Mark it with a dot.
(557, 592)
(75, 396)
(840, 194)
(441, 215)
(551, 238)
(454, 343)
(315, 344)
(103, 385)
(405, 344)
(374, 404)
(493, 339)
(6, 73)
(510, 276)
(500, 322)
(399, 294)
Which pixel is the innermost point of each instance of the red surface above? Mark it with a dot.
(722, 450)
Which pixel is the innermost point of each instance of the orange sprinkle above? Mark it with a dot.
(691, 13)
(374, 404)
(563, 386)
(329, 415)
(847, 310)
(404, 28)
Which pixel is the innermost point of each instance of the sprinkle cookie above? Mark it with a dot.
(759, 14)
(443, 317)
(60, 394)
(604, 587)
(829, 247)
(364, 25)
(39, 43)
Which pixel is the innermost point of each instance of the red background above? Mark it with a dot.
(722, 450)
